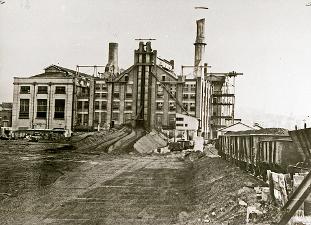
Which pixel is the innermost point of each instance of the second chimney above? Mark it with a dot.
(112, 65)
(199, 47)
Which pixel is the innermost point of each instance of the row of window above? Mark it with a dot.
(98, 87)
(115, 95)
(160, 95)
(59, 109)
(181, 125)
(43, 90)
(101, 87)
(172, 106)
(159, 119)
(191, 86)
(101, 117)
(100, 105)
(189, 96)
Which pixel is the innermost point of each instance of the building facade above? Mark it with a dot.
(148, 94)
(45, 101)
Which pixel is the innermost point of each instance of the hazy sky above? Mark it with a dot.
(268, 40)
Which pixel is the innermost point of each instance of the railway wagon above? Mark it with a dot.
(242, 147)
(302, 139)
(277, 155)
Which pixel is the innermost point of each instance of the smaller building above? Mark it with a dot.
(237, 127)
(186, 127)
(5, 118)
(6, 114)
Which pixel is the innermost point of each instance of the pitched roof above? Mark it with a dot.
(264, 131)
(169, 72)
(66, 72)
(7, 105)
(251, 128)
(124, 73)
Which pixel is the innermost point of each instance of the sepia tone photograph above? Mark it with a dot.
(134, 112)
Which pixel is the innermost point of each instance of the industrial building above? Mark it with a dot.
(148, 94)
(45, 101)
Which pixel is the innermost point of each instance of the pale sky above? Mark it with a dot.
(267, 40)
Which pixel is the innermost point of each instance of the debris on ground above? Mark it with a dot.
(151, 141)
(227, 195)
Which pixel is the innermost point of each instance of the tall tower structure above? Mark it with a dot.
(199, 47)
(145, 83)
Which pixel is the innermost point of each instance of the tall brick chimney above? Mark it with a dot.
(112, 65)
(199, 47)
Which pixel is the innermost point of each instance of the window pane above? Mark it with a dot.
(103, 117)
(59, 109)
(115, 116)
(97, 86)
(116, 88)
(86, 105)
(159, 105)
(104, 105)
(115, 105)
(128, 117)
(128, 105)
(60, 90)
(25, 90)
(79, 106)
(85, 119)
(42, 89)
(24, 109)
(41, 108)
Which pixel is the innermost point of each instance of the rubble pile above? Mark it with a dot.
(227, 195)
(150, 142)
(100, 141)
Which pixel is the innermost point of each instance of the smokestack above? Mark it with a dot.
(200, 31)
(172, 62)
(199, 47)
(205, 69)
(112, 65)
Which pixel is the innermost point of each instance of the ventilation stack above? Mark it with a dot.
(199, 48)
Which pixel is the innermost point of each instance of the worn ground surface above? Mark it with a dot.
(68, 187)
(222, 190)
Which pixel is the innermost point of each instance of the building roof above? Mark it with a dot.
(233, 125)
(6, 105)
(63, 72)
(123, 73)
(264, 131)
(167, 71)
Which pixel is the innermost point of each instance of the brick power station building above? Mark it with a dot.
(147, 94)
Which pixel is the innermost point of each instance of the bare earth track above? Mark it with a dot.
(68, 187)
(104, 190)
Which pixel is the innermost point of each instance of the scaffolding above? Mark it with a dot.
(222, 99)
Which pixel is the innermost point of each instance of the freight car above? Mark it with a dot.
(259, 150)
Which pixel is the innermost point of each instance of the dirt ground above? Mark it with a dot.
(39, 187)
(223, 192)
